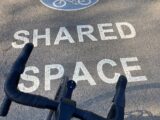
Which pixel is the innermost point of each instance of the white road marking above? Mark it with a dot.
(121, 31)
(66, 36)
(105, 30)
(101, 73)
(31, 78)
(45, 37)
(80, 67)
(82, 32)
(127, 69)
(49, 76)
(86, 75)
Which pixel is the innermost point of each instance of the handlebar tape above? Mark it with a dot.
(5, 106)
(117, 109)
(18, 67)
(13, 79)
(119, 98)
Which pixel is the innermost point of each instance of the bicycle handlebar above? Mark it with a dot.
(4, 109)
(119, 98)
(13, 94)
(12, 82)
(16, 70)
(117, 109)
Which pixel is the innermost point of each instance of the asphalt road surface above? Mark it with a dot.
(90, 45)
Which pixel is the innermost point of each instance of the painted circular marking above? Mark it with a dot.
(68, 5)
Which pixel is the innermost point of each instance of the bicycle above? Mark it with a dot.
(63, 3)
(62, 107)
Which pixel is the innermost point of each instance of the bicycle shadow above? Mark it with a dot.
(103, 96)
(140, 115)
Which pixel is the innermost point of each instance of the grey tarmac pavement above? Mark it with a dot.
(142, 98)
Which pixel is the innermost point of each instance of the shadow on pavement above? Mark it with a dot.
(128, 90)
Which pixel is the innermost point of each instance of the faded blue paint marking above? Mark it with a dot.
(69, 5)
